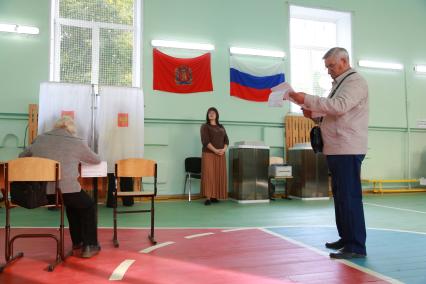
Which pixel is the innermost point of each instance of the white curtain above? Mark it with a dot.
(120, 124)
(58, 99)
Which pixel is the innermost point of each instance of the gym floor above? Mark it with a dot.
(279, 242)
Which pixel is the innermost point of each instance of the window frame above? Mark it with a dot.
(342, 20)
(55, 36)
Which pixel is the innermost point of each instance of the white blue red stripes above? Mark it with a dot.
(265, 82)
(254, 83)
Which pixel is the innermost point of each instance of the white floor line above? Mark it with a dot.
(119, 272)
(245, 228)
(396, 230)
(151, 248)
(348, 263)
(396, 208)
(198, 235)
(237, 229)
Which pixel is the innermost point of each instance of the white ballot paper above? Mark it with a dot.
(90, 170)
(280, 93)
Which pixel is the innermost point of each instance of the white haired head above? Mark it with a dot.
(67, 123)
(337, 53)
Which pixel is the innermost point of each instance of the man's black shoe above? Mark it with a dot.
(207, 202)
(335, 245)
(342, 254)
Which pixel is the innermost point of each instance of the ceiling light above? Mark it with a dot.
(257, 52)
(184, 45)
(11, 28)
(380, 65)
(420, 68)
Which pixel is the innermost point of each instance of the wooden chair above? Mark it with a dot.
(32, 169)
(135, 168)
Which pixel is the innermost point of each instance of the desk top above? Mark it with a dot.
(89, 170)
(281, 177)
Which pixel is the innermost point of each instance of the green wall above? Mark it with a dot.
(388, 30)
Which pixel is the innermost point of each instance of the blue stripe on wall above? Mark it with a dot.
(251, 81)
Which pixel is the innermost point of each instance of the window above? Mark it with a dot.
(312, 33)
(96, 41)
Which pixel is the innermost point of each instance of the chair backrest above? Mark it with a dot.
(32, 122)
(32, 169)
(276, 161)
(136, 168)
(193, 165)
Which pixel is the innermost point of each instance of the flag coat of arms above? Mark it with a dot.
(182, 75)
(253, 82)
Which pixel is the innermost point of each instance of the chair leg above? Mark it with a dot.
(189, 192)
(114, 239)
(151, 236)
(8, 249)
(184, 187)
(60, 251)
(9, 257)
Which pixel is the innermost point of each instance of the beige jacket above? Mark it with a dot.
(68, 150)
(344, 129)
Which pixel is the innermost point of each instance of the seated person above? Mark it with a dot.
(62, 145)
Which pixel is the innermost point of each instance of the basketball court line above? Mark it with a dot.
(198, 235)
(121, 269)
(348, 263)
(395, 208)
(157, 246)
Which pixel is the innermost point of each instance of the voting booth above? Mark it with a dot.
(110, 119)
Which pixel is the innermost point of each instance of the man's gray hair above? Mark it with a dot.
(337, 52)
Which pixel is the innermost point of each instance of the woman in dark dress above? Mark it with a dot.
(213, 166)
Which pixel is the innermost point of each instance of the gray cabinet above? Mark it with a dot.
(310, 173)
(248, 172)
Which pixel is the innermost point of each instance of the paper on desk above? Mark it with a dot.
(90, 170)
(280, 93)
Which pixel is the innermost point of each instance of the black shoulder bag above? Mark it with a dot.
(315, 134)
(28, 194)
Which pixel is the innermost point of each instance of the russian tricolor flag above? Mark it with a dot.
(253, 82)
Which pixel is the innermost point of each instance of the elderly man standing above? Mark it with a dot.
(344, 130)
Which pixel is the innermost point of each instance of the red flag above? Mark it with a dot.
(182, 75)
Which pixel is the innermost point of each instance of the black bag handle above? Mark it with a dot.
(335, 90)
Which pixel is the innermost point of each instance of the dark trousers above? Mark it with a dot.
(126, 184)
(347, 192)
(81, 215)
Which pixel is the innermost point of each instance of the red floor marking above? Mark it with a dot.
(249, 256)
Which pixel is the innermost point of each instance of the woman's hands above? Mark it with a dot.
(219, 152)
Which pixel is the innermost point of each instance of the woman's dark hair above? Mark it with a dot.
(217, 116)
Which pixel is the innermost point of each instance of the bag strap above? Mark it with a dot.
(335, 90)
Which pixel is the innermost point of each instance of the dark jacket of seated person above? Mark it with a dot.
(63, 146)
